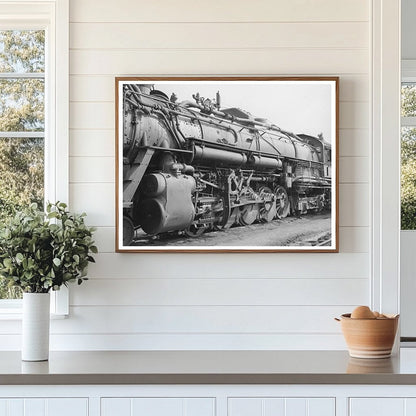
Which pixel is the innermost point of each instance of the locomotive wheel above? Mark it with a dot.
(195, 230)
(232, 220)
(269, 210)
(128, 230)
(248, 214)
(282, 202)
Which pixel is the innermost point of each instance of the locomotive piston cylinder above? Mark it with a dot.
(154, 185)
(167, 202)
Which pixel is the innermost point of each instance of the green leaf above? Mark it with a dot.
(37, 255)
(69, 223)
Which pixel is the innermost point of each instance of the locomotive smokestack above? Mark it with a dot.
(218, 100)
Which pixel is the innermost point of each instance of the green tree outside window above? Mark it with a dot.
(22, 96)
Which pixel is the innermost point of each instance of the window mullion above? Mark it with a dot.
(408, 121)
(20, 134)
(22, 75)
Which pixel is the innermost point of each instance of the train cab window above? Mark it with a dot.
(328, 154)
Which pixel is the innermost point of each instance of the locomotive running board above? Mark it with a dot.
(136, 173)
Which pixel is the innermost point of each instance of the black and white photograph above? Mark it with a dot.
(227, 164)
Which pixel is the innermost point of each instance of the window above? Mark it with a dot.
(33, 111)
(22, 124)
(408, 155)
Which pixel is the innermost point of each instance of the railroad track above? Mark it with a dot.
(322, 240)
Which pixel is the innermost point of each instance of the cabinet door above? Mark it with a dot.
(376, 406)
(160, 406)
(44, 407)
(270, 406)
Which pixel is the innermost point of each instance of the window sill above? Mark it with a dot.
(11, 309)
(13, 315)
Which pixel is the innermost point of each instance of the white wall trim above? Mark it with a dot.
(385, 280)
(53, 16)
(408, 70)
(60, 157)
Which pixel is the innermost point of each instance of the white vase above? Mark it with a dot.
(35, 326)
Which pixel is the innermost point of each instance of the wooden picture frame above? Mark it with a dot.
(227, 164)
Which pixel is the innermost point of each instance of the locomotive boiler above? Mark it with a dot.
(193, 166)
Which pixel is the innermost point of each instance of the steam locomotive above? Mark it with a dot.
(193, 166)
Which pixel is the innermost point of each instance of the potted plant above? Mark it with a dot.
(40, 252)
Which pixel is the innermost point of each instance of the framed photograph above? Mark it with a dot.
(235, 164)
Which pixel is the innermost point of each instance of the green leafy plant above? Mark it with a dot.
(43, 251)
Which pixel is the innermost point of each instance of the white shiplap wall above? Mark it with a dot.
(218, 301)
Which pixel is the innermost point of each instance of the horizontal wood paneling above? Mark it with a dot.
(354, 239)
(253, 301)
(354, 200)
(220, 291)
(92, 169)
(354, 142)
(100, 88)
(252, 266)
(92, 115)
(221, 36)
(166, 341)
(94, 143)
(201, 319)
(354, 169)
(218, 11)
(105, 238)
(353, 115)
(96, 199)
(96, 88)
(219, 62)
(87, 115)
(208, 320)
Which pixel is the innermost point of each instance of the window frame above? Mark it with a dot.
(385, 156)
(53, 17)
(408, 76)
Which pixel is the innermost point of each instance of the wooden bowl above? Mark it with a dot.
(369, 366)
(369, 338)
